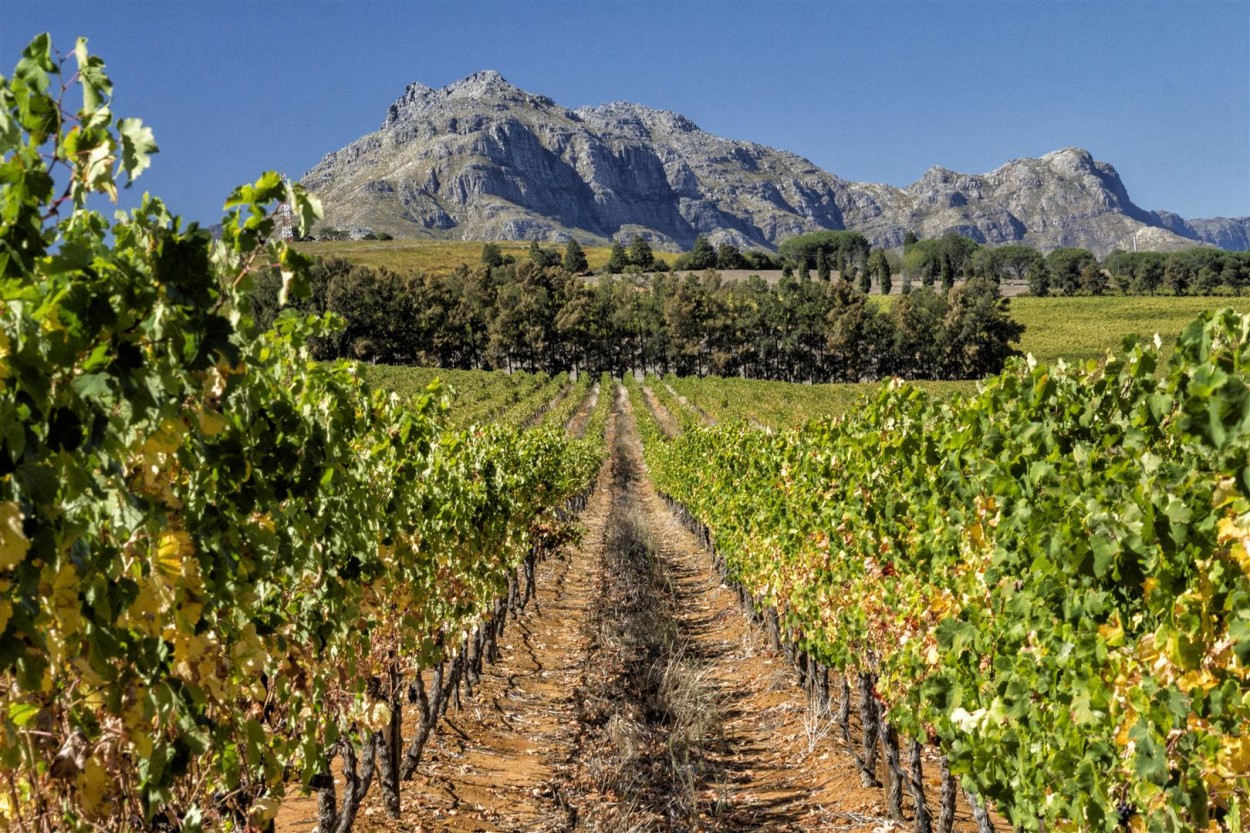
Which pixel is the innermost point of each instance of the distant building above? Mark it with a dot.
(284, 222)
(284, 218)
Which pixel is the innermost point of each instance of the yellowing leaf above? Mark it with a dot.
(6, 613)
(212, 423)
(86, 673)
(976, 535)
(65, 602)
(4, 355)
(1234, 755)
(141, 739)
(167, 437)
(248, 654)
(1237, 551)
(1112, 633)
(1225, 491)
(376, 716)
(1122, 734)
(264, 810)
(93, 787)
(148, 602)
(191, 609)
(174, 546)
(13, 541)
(1190, 680)
(1228, 529)
(138, 725)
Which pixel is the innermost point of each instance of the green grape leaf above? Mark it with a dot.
(138, 144)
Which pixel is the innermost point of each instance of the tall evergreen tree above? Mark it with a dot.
(880, 265)
(640, 253)
(575, 258)
(702, 256)
(491, 255)
(616, 259)
(1038, 277)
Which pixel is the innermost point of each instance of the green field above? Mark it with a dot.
(1085, 328)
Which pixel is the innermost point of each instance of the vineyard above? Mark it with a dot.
(1046, 577)
(241, 589)
(225, 565)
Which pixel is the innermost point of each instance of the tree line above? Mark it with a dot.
(523, 315)
(936, 262)
(1075, 271)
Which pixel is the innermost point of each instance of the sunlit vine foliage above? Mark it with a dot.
(212, 549)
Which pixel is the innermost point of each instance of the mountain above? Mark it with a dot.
(481, 159)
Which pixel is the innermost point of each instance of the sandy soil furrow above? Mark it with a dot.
(703, 415)
(492, 764)
(540, 745)
(577, 423)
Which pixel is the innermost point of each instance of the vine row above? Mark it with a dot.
(1047, 579)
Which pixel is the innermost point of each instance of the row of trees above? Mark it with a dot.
(1196, 271)
(829, 254)
(1076, 271)
(638, 258)
(522, 315)
(935, 262)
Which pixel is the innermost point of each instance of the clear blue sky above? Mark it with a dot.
(874, 91)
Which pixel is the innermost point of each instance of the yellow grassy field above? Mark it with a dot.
(430, 256)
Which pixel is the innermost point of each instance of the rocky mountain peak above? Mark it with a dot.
(485, 83)
(618, 114)
(487, 87)
(482, 159)
(1070, 159)
(936, 175)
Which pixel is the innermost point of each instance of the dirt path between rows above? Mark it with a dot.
(634, 695)
(703, 415)
(775, 763)
(577, 423)
(668, 423)
(494, 764)
(547, 407)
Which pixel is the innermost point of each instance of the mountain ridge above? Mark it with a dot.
(482, 159)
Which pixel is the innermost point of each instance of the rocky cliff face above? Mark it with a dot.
(481, 159)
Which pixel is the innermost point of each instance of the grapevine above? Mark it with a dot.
(1047, 578)
(221, 563)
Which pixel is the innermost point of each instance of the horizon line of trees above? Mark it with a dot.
(935, 262)
(525, 316)
(1071, 270)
